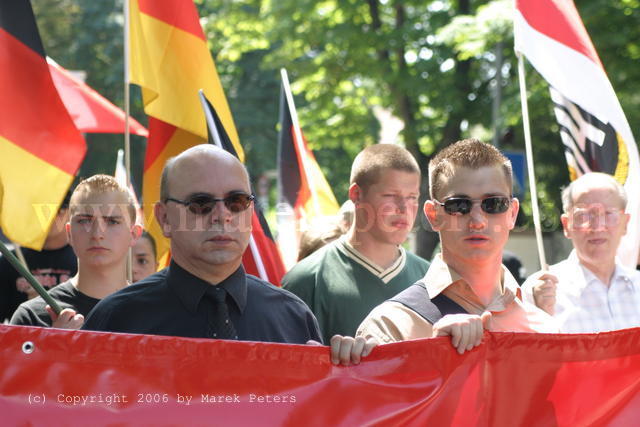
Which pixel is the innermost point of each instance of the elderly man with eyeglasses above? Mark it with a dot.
(467, 289)
(205, 209)
(590, 291)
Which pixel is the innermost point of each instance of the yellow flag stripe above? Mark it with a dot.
(31, 188)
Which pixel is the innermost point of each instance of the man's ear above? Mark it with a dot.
(431, 212)
(355, 193)
(515, 207)
(160, 210)
(67, 228)
(564, 219)
(625, 217)
(136, 232)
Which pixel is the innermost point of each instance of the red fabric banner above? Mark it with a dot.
(51, 376)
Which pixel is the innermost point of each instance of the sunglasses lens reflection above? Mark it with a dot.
(490, 205)
(237, 202)
(495, 205)
(203, 205)
(457, 206)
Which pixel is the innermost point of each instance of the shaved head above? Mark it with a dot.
(197, 155)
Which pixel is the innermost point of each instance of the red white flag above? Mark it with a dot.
(594, 129)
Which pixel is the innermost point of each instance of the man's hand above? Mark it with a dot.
(68, 319)
(348, 350)
(544, 292)
(465, 329)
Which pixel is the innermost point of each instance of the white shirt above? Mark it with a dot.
(586, 305)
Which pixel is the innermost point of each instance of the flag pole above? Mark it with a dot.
(218, 142)
(20, 255)
(532, 181)
(127, 134)
(297, 131)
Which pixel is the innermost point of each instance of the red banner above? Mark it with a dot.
(52, 377)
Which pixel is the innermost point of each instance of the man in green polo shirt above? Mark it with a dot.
(346, 279)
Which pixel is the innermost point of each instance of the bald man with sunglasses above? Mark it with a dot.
(205, 210)
(467, 289)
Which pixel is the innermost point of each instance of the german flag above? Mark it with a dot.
(303, 189)
(262, 258)
(41, 147)
(170, 60)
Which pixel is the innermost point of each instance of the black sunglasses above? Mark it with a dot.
(202, 204)
(463, 205)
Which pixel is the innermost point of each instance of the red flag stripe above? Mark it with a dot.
(160, 134)
(180, 15)
(19, 90)
(304, 192)
(559, 20)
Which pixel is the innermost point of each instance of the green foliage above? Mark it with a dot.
(432, 63)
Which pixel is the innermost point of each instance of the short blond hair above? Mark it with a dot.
(470, 153)
(98, 184)
(370, 162)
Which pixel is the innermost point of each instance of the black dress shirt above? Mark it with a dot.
(171, 302)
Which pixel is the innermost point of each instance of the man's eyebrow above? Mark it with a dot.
(112, 216)
(228, 193)
(492, 194)
(83, 215)
(198, 194)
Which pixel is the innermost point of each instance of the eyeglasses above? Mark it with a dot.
(463, 205)
(202, 204)
(584, 218)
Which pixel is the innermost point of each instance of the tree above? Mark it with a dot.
(432, 63)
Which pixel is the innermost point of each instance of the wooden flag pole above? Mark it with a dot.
(530, 169)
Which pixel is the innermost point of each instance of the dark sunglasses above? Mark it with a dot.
(202, 204)
(463, 205)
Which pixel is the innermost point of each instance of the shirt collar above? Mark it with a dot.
(384, 274)
(621, 273)
(440, 276)
(190, 289)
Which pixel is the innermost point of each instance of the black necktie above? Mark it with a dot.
(220, 325)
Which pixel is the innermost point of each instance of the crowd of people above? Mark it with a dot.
(355, 285)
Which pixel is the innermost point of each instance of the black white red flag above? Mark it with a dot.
(593, 127)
